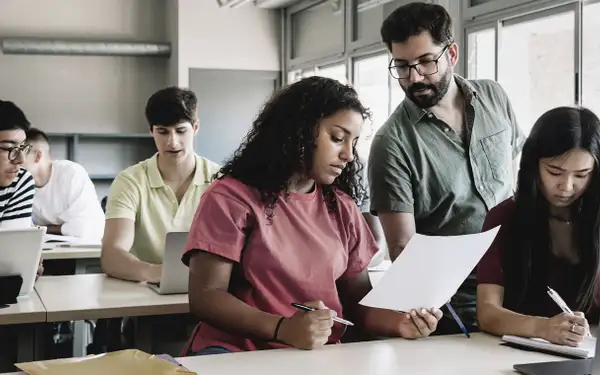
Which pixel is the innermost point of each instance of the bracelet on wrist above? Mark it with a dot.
(276, 333)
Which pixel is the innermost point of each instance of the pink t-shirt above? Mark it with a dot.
(297, 258)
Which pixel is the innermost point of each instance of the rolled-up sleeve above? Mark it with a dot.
(219, 225)
(389, 178)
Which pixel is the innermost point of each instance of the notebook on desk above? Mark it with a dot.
(52, 241)
(584, 366)
(585, 350)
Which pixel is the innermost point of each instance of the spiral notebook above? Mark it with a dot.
(586, 349)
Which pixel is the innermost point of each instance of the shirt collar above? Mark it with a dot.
(416, 113)
(156, 181)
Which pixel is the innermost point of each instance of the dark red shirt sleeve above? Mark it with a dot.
(489, 269)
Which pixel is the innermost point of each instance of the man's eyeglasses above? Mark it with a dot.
(424, 68)
(14, 151)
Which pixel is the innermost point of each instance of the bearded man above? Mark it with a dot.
(448, 153)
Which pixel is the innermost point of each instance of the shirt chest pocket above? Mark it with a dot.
(497, 150)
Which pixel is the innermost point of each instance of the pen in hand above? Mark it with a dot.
(562, 304)
(335, 319)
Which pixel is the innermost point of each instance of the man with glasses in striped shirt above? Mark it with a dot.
(16, 184)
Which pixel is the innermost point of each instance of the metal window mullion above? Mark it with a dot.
(498, 44)
(578, 54)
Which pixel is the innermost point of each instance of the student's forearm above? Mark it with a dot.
(379, 322)
(500, 321)
(224, 311)
(54, 229)
(124, 265)
(395, 251)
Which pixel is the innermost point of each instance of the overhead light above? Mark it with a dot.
(233, 3)
(274, 4)
(370, 4)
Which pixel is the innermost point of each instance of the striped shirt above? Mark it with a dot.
(16, 201)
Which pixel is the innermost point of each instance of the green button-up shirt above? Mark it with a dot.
(419, 165)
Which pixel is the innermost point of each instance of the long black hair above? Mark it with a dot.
(281, 141)
(555, 133)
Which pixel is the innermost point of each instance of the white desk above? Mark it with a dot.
(28, 309)
(97, 296)
(447, 355)
(71, 253)
(377, 272)
(83, 256)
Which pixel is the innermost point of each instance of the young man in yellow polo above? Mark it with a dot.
(157, 195)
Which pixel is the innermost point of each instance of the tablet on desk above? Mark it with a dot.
(20, 254)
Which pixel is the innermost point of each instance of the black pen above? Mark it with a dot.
(336, 319)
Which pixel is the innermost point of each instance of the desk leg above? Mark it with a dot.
(143, 334)
(80, 328)
(80, 338)
(80, 266)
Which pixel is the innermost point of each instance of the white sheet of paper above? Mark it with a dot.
(429, 271)
(54, 240)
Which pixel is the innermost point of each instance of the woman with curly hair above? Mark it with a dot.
(281, 225)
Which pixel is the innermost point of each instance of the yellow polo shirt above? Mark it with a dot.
(139, 193)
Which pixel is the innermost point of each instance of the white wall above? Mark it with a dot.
(210, 37)
(172, 14)
(108, 94)
(83, 93)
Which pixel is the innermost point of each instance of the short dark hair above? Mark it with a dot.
(36, 135)
(171, 106)
(12, 117)
(415, 18)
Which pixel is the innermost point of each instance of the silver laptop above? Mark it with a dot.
(588, 366)
(174, 277)
(20, 253)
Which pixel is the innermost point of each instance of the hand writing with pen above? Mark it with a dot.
(567, 328)
(563, 329)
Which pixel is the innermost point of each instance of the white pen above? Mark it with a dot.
(561, 303)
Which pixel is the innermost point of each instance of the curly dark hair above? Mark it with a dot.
(281, 142)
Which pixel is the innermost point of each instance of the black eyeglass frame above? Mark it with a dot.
(14, 151)
(393, 69)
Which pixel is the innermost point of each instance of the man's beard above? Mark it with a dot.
(438, 91)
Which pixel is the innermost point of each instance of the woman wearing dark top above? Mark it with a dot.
(549, 235)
